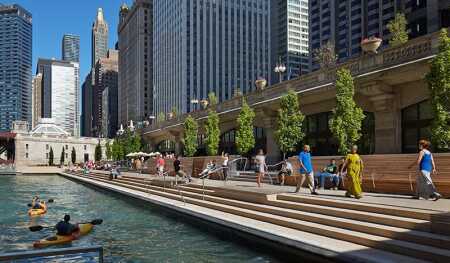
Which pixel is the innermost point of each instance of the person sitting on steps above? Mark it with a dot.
(286, 170)
(211, 166)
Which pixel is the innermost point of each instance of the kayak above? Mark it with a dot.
(84, 229)
(37, 212)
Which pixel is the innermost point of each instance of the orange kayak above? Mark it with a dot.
(37, 212)
(84, 229)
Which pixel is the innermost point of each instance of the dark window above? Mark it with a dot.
(416, 122)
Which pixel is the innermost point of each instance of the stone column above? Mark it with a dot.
(272, 150)
(387, 118)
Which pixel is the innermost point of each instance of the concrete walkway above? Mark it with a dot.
(442, 205)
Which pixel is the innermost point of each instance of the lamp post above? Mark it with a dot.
(195, 102)
(280, 68)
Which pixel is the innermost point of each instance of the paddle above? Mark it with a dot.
(49, 201)
(39, 228)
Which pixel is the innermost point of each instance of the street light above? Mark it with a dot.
(195, 102)
(280, 68)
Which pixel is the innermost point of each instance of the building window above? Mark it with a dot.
(416, 124)
(26, 155)
(46, 155)
(85, 148)
(67, 147)
(26, 146)
(46, 147)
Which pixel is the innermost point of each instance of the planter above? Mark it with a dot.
(260, 83)
(371, 45)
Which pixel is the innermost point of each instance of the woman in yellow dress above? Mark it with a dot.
(354, 165)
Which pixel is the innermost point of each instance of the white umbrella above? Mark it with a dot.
(131, 155)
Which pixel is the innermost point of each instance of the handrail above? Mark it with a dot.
(52, 252)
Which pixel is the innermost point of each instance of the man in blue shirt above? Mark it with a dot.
(306, 170)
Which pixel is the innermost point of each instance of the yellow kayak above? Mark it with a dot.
(37, 212)
(84, 229)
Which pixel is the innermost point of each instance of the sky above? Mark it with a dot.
(54, 18)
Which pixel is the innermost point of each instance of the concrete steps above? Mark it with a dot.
(394, 233)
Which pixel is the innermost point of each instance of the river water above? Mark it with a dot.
(132, 231)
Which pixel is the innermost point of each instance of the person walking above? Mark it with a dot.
(354, 166)
(424, 184)
(178, 170)
(225, 160)
(160, 165)
(306, 170)
(260, 168)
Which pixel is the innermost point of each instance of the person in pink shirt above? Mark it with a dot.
(160, 165)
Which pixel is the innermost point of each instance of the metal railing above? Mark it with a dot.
(53, 252)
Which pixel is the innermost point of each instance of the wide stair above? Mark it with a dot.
(405, 231)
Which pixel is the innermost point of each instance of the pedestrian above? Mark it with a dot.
(354, 166)
(225, 160)
(306, 170)
(178, 170)
(424, 184)
(160, 165)
(260, 168)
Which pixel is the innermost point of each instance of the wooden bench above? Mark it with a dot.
(390, 173)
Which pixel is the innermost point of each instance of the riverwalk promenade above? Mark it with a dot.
(324, 228)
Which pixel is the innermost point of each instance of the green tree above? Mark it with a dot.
(212, 99)
(50, 157)
(63, 156)
(98, 152)
(245, 139)
(212, 133)
(346, 122)
(73, 155)
(108, 150)
(190, 136)
(117, 150)
(161, 117)
(439, 85)
(289, 132)
(397, 29)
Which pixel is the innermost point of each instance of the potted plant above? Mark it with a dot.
(371, 44)
(260, 83)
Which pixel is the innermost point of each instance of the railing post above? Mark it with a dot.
(164, 182)
(203, 189)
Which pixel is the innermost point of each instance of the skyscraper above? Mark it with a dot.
(345, 23)
(208, 46)
(15, 65)
(99, 38)
(86, 107)
(71, 48)
(36, 100)
(290, 26)
(60, 95)
(106, 74)
(135, 62)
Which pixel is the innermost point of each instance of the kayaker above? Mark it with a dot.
(36, 203)
(64, 228)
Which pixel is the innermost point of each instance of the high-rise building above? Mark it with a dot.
(106, 74)
(36, 108)
(71, 48)
(290, 41)
(136, 62)
(345, 23)
(99, 38)
(86, 106)
(60, 93)
(15, 65)
(204, 46)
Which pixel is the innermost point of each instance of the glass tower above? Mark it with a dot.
(71, 48)
(203, 46)
(60, 93)
(290, 32)
(15, 65)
